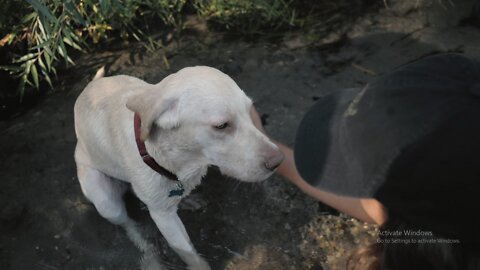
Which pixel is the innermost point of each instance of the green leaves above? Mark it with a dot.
(41, 9)
(25, 58)
(248, 16)
(34, 75)
(52, 28)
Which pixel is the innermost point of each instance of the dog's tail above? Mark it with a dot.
(100, 73)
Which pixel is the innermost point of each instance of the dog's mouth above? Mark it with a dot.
(214, 169)
(259, 177)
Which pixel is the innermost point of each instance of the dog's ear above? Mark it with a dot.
(152, 108)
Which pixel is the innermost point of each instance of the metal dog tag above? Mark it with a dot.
(178, 191)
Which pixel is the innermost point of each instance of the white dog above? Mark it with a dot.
(191, 120)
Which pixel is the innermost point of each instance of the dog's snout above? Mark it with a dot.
(274, 159)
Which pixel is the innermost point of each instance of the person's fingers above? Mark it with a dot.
(257, 121)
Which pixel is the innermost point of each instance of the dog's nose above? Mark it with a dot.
(274, 159)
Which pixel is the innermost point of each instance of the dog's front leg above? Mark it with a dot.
(173, 230)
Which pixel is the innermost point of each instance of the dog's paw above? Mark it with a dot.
(151, 261)
(193, 202)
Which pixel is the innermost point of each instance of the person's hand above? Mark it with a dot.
(257, 121)
(369, 210)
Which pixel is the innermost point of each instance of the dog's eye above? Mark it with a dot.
(222, 126)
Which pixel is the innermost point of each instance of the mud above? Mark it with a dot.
(46, 223)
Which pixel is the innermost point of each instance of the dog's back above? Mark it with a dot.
(100, 113)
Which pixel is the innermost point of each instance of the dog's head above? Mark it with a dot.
(204, 119)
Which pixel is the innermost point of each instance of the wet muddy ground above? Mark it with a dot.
(46, 223)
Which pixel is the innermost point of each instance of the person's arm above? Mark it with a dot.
(368, 210)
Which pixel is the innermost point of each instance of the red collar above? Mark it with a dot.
(144, 153)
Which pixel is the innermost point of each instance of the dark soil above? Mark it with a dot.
(46, 223)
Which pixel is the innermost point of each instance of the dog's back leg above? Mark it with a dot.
(106, 194)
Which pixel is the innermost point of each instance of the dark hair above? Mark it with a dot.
(398, 250)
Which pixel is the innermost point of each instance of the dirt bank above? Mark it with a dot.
(46, 223)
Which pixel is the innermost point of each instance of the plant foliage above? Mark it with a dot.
(248, 16)
(37, 35)
(51, 28)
